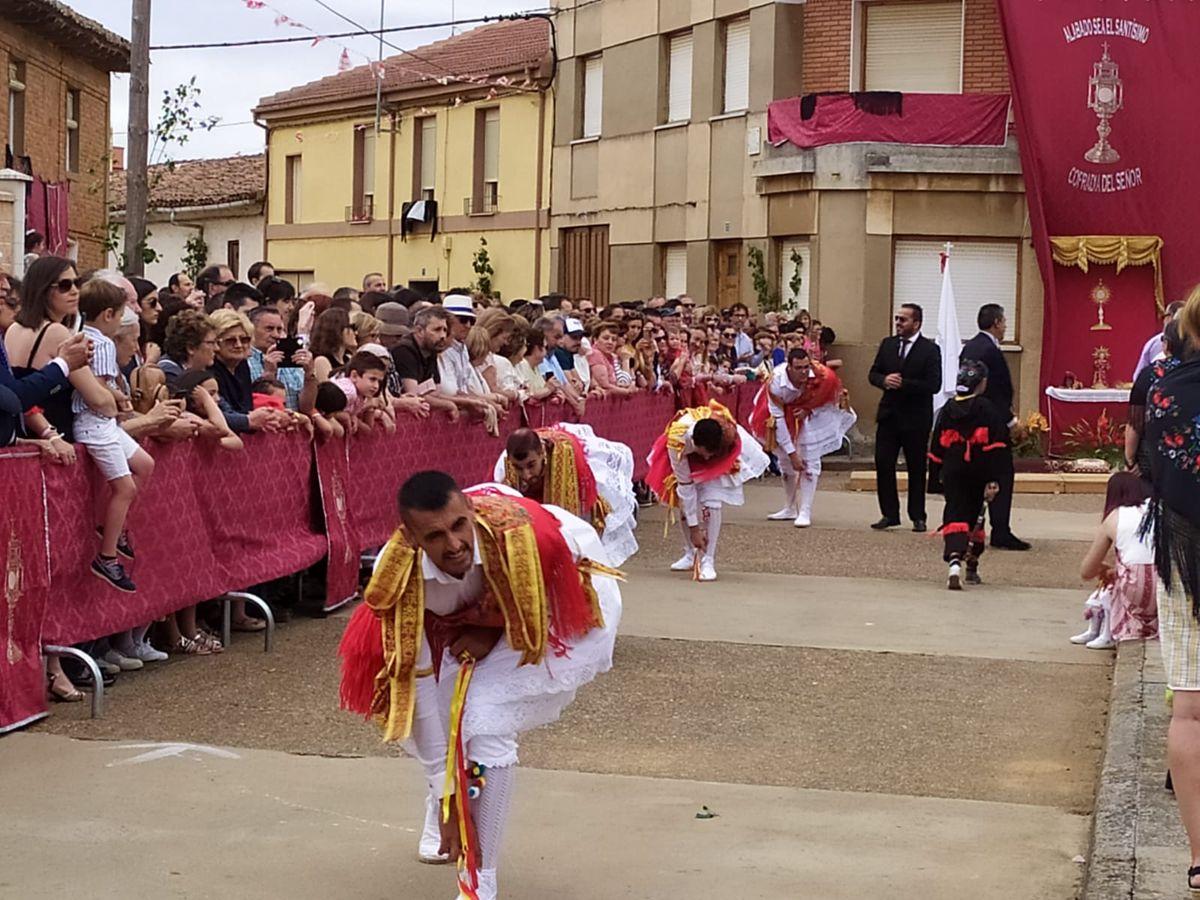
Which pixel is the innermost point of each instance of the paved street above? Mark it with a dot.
(858, 731)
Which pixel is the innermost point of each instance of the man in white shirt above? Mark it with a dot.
(804, 399)
(457, 378)
(526, 655)
(1154, 347)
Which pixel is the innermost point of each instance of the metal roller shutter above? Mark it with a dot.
(913, 47)
(679, 90)
(674, 270)
(981, 272)
(737, 65)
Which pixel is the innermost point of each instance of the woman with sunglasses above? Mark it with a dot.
(231, 368)
(48, 317)
(150, 309)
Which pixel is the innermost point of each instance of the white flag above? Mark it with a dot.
(949, 339)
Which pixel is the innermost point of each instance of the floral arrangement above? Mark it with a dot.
(1103, 439)
(1033, 434)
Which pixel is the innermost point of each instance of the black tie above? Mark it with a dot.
(903, 348)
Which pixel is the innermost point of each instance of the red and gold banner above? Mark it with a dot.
(1106, 143)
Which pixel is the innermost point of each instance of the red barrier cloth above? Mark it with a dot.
(26, 588)
(1068, 63)
(948, 120)
(209, 521)
(333, 474)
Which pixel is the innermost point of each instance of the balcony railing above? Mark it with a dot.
(362, 211)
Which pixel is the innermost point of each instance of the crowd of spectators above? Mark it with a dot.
(110, 362)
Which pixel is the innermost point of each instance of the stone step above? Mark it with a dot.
(1026, 482)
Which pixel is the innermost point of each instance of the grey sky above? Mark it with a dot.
(232, 80)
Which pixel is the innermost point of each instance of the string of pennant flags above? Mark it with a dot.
(377, 68)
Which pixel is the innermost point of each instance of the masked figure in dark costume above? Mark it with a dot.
(964, 451)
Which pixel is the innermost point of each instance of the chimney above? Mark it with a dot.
(118, 159)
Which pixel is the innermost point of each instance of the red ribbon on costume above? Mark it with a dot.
(821, 388)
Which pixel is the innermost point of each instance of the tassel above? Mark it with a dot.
(361, 651)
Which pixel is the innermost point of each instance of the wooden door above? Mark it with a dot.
(583, 263)
(728, 266)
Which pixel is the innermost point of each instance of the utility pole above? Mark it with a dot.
(139, 137)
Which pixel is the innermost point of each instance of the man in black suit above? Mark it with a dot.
(908, 369)
(985, 348)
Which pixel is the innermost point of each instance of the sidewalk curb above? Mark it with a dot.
(1112, 859)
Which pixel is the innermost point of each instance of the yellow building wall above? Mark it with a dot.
(322, 240)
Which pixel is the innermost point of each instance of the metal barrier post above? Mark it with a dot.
(97, 676)
(227, 617)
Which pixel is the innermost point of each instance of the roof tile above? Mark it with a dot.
(198, 182)
(488, 51)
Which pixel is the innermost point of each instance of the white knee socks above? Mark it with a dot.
(491, 814)
(714, 531)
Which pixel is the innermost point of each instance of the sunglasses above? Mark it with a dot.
(63, 285)
(729, 334)
(229, 283)
(151, 303)
(236, 340)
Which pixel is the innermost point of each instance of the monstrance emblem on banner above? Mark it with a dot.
(1106, 95)
(1101, 294)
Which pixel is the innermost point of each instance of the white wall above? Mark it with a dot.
(169, 240)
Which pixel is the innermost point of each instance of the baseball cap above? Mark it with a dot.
(375, 350)
(460, 305)
(574, 326)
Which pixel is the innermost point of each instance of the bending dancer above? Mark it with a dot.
(485, 613)
(799, 411)
(590, 477)
(698, 465)
(967, 438)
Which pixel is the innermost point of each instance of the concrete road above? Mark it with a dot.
(858, 730)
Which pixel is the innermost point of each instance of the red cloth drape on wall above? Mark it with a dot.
(955, 120)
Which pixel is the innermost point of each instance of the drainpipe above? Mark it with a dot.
(391, 210)
(537, 216)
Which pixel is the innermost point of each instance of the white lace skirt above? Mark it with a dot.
(612, 465)
(825, 430)
(506, 698)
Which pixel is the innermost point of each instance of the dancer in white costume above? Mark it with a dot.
(486, 604)
(798, 413)
(698, 466)
(569, 466)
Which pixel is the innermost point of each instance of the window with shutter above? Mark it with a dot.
(737, 65)
(427, 171)
(593, 95)
(794, 253)
(981, 272)
(674, 270)
(913, 47)
(369, 163)
(679, 78)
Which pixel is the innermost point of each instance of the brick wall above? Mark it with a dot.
(827, 36)
(984, 66)
(49, 72)
(826, 59)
